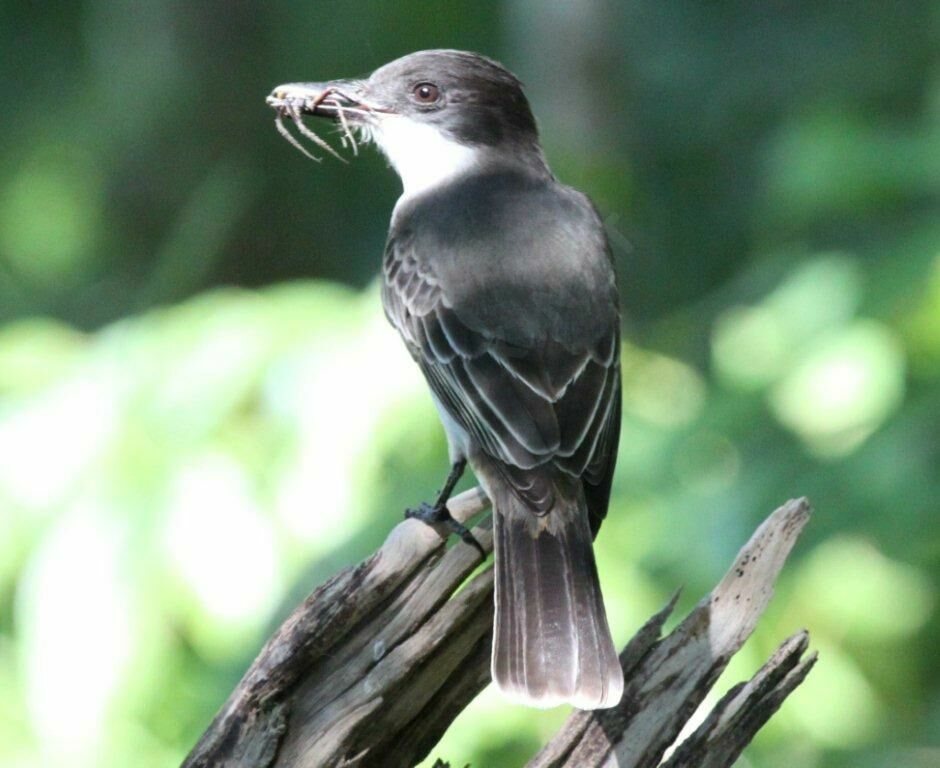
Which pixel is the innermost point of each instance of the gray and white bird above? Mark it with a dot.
(500, 281)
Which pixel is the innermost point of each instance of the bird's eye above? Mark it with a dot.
(426, 93)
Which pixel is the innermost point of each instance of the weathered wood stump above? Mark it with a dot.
(374, 665)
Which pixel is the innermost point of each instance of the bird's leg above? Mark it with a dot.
(438, 512)
(453, 477)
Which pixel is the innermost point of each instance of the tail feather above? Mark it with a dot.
(551, 642)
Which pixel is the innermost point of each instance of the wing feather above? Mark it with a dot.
(525, 407)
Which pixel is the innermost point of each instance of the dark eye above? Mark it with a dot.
(426, 93)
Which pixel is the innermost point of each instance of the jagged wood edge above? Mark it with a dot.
(667, 685)
(376, 663)
(397, 590)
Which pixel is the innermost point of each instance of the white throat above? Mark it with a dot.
(421, 155)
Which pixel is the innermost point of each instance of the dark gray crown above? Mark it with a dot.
(480, 102)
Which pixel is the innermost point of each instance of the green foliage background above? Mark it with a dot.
(203, 413)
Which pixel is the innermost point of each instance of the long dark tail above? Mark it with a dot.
(551, 642)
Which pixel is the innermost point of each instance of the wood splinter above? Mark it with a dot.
(375, 664)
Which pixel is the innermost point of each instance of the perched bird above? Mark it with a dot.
(499, 279)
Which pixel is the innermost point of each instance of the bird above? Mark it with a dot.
(500, 280)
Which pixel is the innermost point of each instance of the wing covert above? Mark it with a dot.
(525, 407)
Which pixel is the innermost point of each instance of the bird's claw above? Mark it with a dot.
(431, 515)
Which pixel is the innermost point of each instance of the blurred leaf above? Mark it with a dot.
(880, 600)
(50, 216)
(844, 388)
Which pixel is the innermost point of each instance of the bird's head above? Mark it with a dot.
(434, 114)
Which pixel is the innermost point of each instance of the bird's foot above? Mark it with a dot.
(431, 515)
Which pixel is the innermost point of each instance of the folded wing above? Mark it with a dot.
(527, 407)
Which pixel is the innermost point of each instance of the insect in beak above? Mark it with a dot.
(333, 100)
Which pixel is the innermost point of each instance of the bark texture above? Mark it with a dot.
(372, 668)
